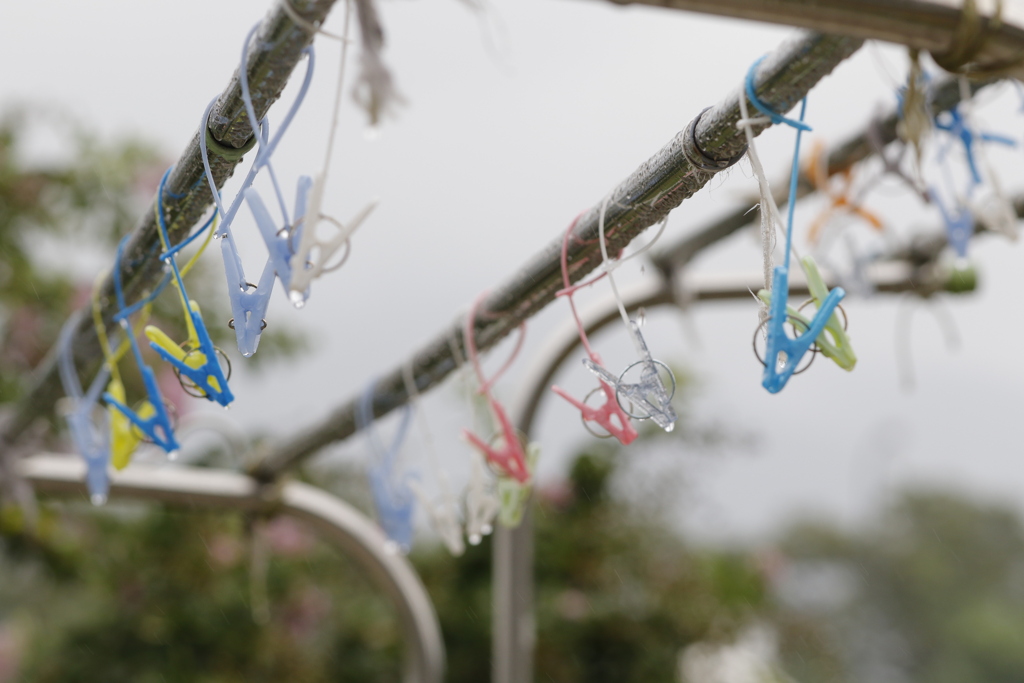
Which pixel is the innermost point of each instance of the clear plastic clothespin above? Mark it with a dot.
(392, 496)
(647, 394)
(506, 453)
(152, 418)
(610, 416)
(444, 511)
(91, 439)
(196, 362)
(482, 505)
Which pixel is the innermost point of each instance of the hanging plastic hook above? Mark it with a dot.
(392, 496)
(92, 440)
(508, 456)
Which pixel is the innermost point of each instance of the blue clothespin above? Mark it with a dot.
(199, 361)
(92, 440)
(650, 395)
(393, 498)
(157, 425)
(959, 224)
(953, 122)
(280, 240)
(249, 301)
(784, 353)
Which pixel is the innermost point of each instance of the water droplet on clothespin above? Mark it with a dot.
(172, 455)
(297, 298)
(474, 539)
(98, 499)
(641, 316)
(247, 354)
(392, 548)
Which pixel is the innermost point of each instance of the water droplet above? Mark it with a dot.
(297, 298)
(247, 354)
(487, 529)
(172, 455)
(670, 427)
(474, 539)
(641, 317)
(98, 498)
(391, 548)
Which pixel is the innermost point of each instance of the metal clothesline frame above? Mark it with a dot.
(657, 187)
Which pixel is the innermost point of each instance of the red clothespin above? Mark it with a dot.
(507, 455)
(610, 416)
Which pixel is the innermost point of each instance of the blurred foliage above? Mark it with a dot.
(934, 591)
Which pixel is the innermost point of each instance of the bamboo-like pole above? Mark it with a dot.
(659, 185)
(958, 33)
(188, 196)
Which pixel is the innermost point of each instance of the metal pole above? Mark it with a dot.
(188, 196)
(955, 35)
(335, 521)
(641, 200)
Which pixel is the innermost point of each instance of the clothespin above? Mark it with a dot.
(196, 361)
(832, 341)
(304, 267)
(279, 240)
(249, 301)
(959, 223)
(151, 419)
(443, 512)
(92, 440)
(610, 416)
(649, 394)
(956, 124)
(515, 496)
(392, 496)
(784, 353)
(507, 453)
(481, 503)
(839, 199)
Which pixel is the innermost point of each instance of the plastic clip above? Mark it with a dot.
(482, 505)
(152, 418)
(279, 240)
(955, 123)
(392, 496)
(649, 394)
(92, 440)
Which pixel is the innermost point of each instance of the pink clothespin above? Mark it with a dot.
(507, 455)
(610, 416)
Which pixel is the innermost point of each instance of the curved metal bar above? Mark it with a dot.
(334, 520)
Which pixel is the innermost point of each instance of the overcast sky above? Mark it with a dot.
(516, 119)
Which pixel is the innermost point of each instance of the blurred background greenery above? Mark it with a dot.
(931, 590)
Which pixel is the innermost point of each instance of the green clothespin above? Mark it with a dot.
(515, 496)
(833, 342)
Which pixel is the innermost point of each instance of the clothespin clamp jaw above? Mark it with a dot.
(515, 496)
(280, 240)
(959, 224)
(508, 459)
(444, 516)
(305, 267)
(954, 123)
(610, 416)
(481, 504)
(248, 301)
(649, 395)
(833, 342)
(92, 440)
(196, 362)
(784, 353)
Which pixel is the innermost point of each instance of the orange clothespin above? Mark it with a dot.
(839, 199)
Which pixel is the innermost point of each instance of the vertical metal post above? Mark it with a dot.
(514, 631)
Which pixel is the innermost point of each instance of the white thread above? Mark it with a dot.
(770, 215)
